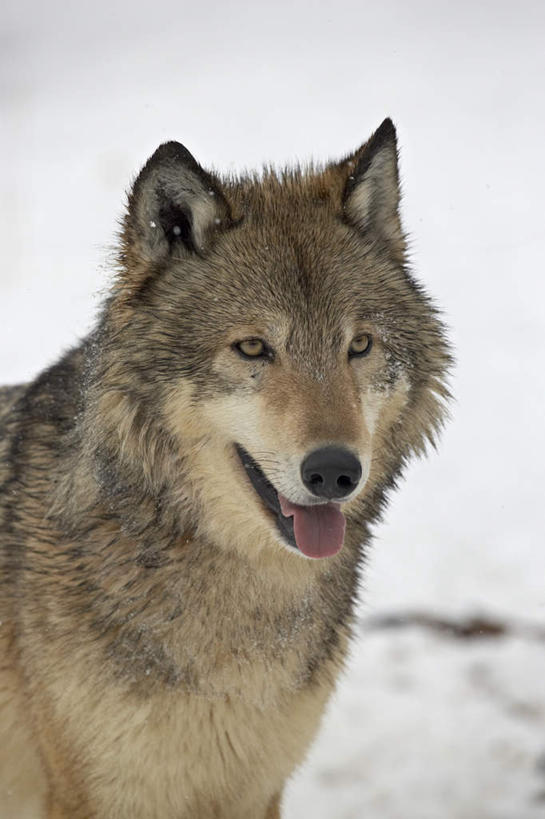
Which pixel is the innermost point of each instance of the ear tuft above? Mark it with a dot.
(175, 206)
(372, 192)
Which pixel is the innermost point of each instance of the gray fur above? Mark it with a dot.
(141, 581)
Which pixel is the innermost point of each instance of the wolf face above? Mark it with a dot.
(270, 331)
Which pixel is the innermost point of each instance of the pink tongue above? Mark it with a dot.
(319, 530)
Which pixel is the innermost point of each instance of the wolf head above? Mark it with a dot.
(265, 352)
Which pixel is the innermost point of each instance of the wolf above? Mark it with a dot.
(187, 496)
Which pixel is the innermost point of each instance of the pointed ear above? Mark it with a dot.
(372, 193)
(175, 207)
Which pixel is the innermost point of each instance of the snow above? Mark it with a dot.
(423, 725)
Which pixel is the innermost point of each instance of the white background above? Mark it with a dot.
(422, 725)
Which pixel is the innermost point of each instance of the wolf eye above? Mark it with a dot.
(360, 346)
(252, 348)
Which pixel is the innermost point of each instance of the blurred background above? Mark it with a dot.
(441, 712)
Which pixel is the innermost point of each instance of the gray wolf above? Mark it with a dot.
(187, 495)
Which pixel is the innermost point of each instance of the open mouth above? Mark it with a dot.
(316, 531)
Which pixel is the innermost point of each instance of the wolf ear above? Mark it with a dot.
(372, 194)
(175, 206)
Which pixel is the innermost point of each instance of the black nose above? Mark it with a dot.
(331, 472)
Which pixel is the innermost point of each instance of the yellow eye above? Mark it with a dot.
(252, 348)
(361, 345)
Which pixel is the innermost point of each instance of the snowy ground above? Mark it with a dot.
(424, 724)
(427, 726)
